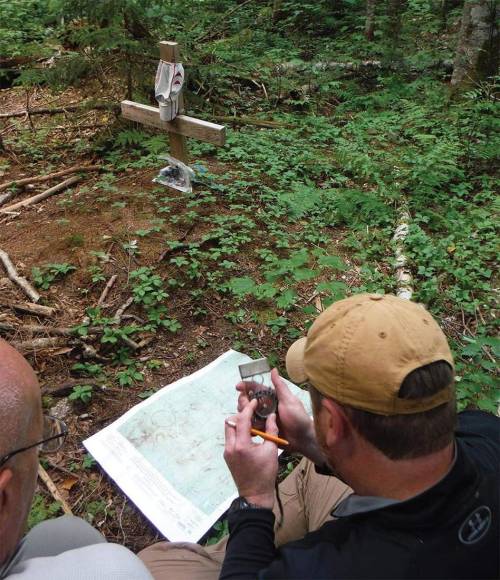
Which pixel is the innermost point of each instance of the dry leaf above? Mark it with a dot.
(69, 482)
(63, 350)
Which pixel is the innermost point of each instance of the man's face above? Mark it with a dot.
(322, 418)
(17, 495)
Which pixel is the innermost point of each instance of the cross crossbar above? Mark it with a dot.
(181, 125)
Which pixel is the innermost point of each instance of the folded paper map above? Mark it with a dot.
(166, 453)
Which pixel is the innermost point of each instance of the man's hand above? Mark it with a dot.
(294, 423)
(254, 466)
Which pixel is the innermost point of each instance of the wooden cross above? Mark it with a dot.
(182, 126)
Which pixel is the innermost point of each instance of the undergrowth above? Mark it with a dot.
(283, 220)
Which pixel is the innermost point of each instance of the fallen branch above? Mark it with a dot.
(446, 65)
(25, 286)
(328, 65)
(48, 177)
(66, 388)
(34, 309)
(47, 330)
(41, 196)
(62, 331)
(267, 124)
(56, 110)
(130, 343)
(27, 346)
(121, 310)
(5, 197)
(103, 295)
(82, 127)
(89, 352)
(107, 288)
(51, 486)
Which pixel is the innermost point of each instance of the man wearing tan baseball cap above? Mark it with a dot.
(413, 495)
(359, 352)
(426, 484)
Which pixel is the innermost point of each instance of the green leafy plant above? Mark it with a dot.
(82, 393)
(129, 375)
(147, 287)
(220, 529)
(46, 275)
(96, 273)
(42, 509)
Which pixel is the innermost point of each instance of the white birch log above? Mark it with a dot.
(404, 279)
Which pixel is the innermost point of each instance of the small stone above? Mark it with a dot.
(61, 409)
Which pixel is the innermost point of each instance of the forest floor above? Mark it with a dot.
(92, 227)
(283, 221)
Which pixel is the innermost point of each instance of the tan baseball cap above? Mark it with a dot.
(359, 351)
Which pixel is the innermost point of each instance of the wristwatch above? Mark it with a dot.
(241, 503)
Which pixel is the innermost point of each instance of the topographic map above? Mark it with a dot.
(166, 453)
(182, 434)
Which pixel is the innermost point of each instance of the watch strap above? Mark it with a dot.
(241, 503)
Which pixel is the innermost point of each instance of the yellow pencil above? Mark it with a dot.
(264, 435)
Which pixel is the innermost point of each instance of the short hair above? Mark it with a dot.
(411, 435)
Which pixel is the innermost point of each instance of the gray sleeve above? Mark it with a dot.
(97, 562)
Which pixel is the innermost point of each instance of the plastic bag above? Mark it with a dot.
(176, 175)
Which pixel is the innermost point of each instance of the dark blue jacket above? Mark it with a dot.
(451, 530)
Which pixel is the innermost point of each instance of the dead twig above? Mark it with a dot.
(121, 310)
(107, 288)
(25, 286)
(66, 109)
(5, 197)
(48, 177)
(52, 332)
(103, 295)
(66, 387)
(44, 195)
(28, 346)
(265, 123)
(34, 309)
(51, 486)
(49, 331)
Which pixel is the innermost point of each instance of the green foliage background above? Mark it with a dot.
(347, 151)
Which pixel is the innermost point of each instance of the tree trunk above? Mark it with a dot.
(395, 9)
(478, 44)
(370, 19)
(276, 14)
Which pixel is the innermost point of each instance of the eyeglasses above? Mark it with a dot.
(54, 432)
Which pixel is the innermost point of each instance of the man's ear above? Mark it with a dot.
(337, 424)
(5, 478)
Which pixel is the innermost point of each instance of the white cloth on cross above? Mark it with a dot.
(168, 86)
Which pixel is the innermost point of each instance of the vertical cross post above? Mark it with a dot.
(169, 52)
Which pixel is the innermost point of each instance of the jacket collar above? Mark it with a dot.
(460, 479)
